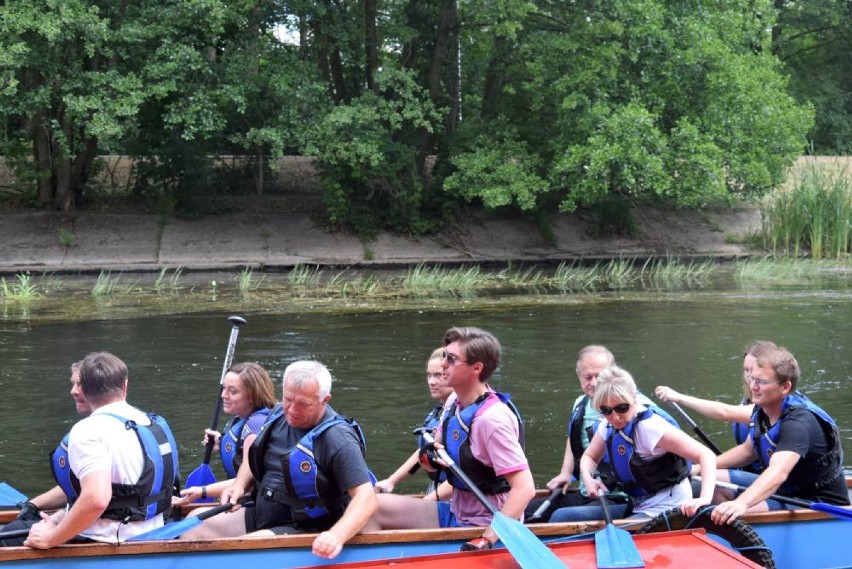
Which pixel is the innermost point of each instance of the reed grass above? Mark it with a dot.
(672, 273)
(770, 268)
(105, 285)
(423, 280)
(575, 277)
(247, 282)
(303, 276)
(813, 213)
(24, 290)
(165, 281)
(620, 273)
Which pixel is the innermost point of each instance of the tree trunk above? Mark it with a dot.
(41, 158)
(371, 43)
(494, 78)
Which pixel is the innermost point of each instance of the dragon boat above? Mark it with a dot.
(791, 539)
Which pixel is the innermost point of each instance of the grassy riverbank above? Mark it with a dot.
(313, 288)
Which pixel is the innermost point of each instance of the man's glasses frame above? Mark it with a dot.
(452, 359)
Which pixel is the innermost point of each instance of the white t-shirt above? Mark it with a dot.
(646, 437)
(101, 443)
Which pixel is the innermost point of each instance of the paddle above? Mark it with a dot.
(614, 547)
(15, 533)
(203, 475)
(525, 547)
(831, 509)
(696, 429)
(10, 496)
(176, 529)
(544, 505)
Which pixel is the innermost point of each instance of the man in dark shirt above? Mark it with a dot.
(304, 447)
(797, 442)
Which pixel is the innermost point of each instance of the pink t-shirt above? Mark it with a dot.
(494, 442)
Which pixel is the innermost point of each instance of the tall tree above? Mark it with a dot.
(76, 73)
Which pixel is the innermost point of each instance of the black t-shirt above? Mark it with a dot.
(802, 433)
(338, 455)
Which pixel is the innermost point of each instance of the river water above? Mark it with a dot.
(692, 341)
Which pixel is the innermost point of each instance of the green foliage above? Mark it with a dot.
(813, 40)
(814, 214)
(366, 150)
(66, 237)
(499, 172)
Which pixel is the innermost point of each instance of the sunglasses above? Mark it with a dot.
(621, 408)
(452, 359)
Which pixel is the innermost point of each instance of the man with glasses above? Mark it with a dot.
(796, 441)
(484, 435)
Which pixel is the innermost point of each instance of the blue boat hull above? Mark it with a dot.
(798, 540)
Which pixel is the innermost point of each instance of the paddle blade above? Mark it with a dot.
(614, 549)
(169, 531)
(525, 547)
(201, 476)
(831, 509)
(10, 496)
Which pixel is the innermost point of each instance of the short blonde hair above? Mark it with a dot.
(615, 384)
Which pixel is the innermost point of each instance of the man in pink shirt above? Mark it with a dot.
(483, 433)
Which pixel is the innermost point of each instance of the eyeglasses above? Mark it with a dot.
(621, 408)
(452, 359)
(751, 380)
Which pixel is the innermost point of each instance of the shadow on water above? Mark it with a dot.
(376, 346)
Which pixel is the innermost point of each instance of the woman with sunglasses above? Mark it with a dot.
(650, 456)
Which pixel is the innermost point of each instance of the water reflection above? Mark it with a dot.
(690, 341)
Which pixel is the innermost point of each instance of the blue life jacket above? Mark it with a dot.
(312, 497)
(640, 477)
(575, 427)
(823, 470)
(456, 439)
(152, 493)
(742, 430)
(231, 445)
(430, 425)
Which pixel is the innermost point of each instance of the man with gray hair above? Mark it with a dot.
(306, 470)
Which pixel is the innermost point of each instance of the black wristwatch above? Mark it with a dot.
(29, 511)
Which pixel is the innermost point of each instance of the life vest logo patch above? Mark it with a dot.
(622, 450)
(305, 466)
(456, 435)
(62, 462)
(229, 448)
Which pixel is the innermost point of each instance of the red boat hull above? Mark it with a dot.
(687, 548)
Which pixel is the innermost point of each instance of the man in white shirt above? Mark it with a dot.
(122, 462)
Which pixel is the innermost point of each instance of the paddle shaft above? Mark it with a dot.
(546, 504)
(15, 533)
(696, 429)
(237, 321)
(783, 499)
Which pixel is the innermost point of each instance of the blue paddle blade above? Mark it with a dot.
(169, 531)
(837, 511)
(201, 476)
(176, 529)
(615, 549)
(525, 547)
(10, 496)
